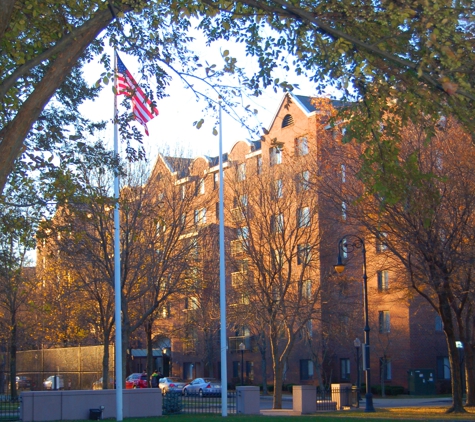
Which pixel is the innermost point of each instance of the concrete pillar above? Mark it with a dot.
(304, 399)
(341, 395)
(248, 400)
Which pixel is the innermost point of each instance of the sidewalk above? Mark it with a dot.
(401, 401)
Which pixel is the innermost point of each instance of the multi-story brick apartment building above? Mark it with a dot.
(282, 239)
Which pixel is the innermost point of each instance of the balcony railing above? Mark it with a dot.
(237, 214)
(236, 247)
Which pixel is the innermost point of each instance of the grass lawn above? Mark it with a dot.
(388, 414)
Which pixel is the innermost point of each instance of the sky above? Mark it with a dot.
(173, 128)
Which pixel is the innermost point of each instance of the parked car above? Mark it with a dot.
(97, 385)
(24, 383)
(54, 382)
(172, 384)
(136, 381)
(203, 387)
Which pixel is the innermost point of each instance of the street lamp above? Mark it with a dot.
(345, 246)
(242, 347)
(357, 344)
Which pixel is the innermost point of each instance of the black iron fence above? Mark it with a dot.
(338, 398)
(176, 403)
(9, 408)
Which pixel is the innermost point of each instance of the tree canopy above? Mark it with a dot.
(408, 59)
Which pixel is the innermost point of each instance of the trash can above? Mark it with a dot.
(95, 414)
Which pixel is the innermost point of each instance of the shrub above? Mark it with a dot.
(172, 403)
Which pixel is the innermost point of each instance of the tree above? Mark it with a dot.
(276, 253)
(18, 223)
(152, 255)
(412, 58)
(429, 230)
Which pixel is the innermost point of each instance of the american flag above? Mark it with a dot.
(143, 109)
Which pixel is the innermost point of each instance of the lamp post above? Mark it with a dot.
(348, 247)
(357, 344)
(242, 347)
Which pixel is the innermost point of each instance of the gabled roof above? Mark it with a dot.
(179, 165)
(305, 104)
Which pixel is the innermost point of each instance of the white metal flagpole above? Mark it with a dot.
(222, 278)
(117, 284)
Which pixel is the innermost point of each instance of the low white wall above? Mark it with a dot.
(75, 404)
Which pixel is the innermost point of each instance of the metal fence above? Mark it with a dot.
(9, 409)
(176, 403)
(337, 398)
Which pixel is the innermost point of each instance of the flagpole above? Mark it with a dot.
(222, 278)
(117, 284)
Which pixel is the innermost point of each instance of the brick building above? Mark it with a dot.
(281, 241)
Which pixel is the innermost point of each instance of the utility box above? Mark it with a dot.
(248, 400)
(421, 382)
(95, 414)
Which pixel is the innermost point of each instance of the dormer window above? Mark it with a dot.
(288, 120)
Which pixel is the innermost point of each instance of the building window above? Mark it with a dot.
(304, 254)
(183, 191)
(303, 181)
(345, 368)
(277, 259)
(438, 323)
(443, 368)
(303, 217)
(275, 156)
(200, 216)
(249, 371)
(384, 322)
(277, 189)
(191, 303)
(383, 281)
(306, 369)
(243, 232)
(259, 165)
(288, 120)
(301, 146)
(277, 223)
(385, 368)
(381, 244)
(237, 369)
(343, 210)
(241, 172)
(201, 187)
(307, 290)
(343, 173)
(217, 211)
(216, 180)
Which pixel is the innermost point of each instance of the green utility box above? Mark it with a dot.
(421, 382)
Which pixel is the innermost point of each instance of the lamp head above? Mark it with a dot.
(339, 267)
(242, 346)
(357, 342)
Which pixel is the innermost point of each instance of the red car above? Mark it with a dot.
(136, 381)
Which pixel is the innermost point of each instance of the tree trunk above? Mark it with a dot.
(278, 380)
(454, 357)
(263, 350)
(105, 362)
(470, 374)
(13, 347)
(148, 334)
